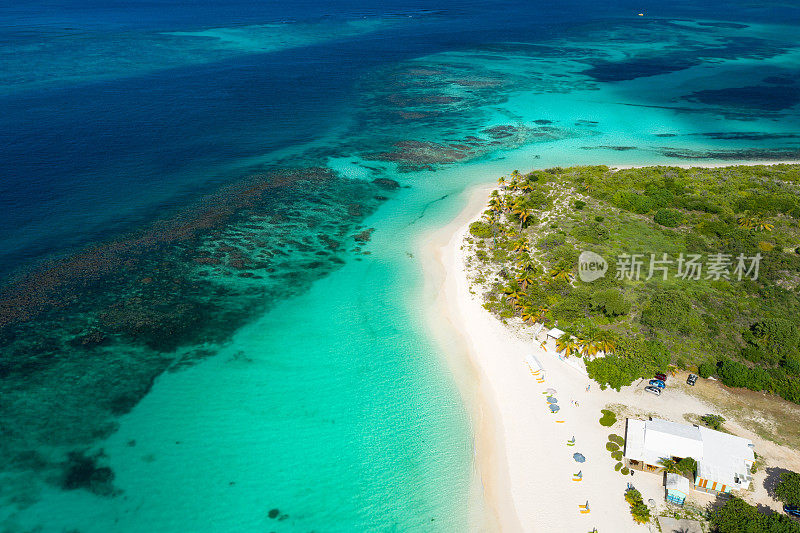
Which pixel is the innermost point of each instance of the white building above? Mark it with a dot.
(723, 461)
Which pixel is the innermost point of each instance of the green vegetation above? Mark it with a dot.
(727, 322)
(480, 230)
(713, 421)
(610, 446)
(668, 217)
(639, 511)
(788, 488)
(625, 471)
(737, 516)
(616, 439)
(608, 419)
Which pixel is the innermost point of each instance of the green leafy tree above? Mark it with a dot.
(788, 488)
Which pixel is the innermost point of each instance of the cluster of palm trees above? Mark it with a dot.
(517, 207)
(755, 222)
(588, 345)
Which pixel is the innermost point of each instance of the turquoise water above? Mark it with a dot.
(269, 372)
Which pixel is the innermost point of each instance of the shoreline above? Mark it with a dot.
(522, 465)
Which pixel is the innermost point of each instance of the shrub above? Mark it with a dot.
(579, 204)
(639, 510)
(616, 439)
(610, 302)
(618, 466)
(778, 337)
(598, 218)
(640, 513)
(480, 229)
(608, 419)
(610, 446)
(668, 309)
(738, 516)
(713, 421)
(625, 471)
(706, 369)
(617, 455)
(668, 217)
(788, 488)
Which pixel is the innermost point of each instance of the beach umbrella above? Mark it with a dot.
(550, 390)
(554, 408)
(578, 457)
(550, 399)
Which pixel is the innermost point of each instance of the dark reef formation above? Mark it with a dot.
(84, 337)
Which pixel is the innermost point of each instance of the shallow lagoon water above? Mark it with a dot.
(329, 408)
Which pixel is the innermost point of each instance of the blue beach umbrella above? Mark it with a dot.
(554, 408)
(578, 457)
(551, 399)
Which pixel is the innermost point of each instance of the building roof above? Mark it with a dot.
(720, 457)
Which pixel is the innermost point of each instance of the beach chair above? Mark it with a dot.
(571, 442)
(578, 476)
(560, 421)
(584, 508)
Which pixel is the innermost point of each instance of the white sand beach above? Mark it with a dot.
(523, 464)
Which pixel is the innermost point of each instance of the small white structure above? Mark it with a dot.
(723, 461)
(678, 488)
(555, 334)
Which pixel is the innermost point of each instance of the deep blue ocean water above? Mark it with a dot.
(295, 351)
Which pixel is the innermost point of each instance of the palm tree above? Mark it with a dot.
(521, 245)
(588, 346)
(528, 314)
(513, 293)
(496, 204)
(526, 187)
(568, 345)
(746, 220)
(501, 181)
(526, 265)
(525, 279)
(669, 465)
(762, 224)
(755, 221)
(523, 214)
(561, 272)
(605, 341)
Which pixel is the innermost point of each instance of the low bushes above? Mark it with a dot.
(480, 230)
(608, 419)
(639, 510)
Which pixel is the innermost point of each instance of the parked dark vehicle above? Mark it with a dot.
(691, 380)
(657, 383)
(662, 377)
(653, 390)
(792, 510)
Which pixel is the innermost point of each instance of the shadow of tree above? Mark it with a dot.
(772, 479)
(721, 499)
